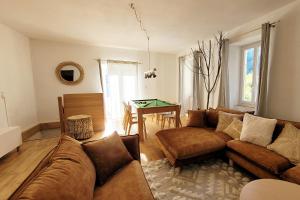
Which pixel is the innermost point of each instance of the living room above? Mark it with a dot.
(161, 74)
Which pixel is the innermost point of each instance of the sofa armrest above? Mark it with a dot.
(292, 175)
(132, 144)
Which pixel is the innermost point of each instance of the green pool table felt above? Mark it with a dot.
(150, 103)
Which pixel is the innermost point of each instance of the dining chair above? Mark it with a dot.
(131, 120)
(170, 117)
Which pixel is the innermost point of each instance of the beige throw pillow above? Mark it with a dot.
(225, 119)
(257, 130)
(288, 143)
(234, 129)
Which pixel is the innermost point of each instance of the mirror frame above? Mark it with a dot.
(69, 63)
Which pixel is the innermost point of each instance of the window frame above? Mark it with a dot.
(256, 68)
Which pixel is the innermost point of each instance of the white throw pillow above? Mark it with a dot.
(257, 130)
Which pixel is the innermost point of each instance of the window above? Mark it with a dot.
(250, 58)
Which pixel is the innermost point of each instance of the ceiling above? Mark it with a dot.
(173, 25)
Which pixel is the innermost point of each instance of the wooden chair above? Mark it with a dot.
(131, 120)
(159, 117)
(171, 117)
(125, 116)
(86, 103)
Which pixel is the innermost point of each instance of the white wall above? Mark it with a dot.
(285, 72)
(16, 79)
(284, 91)
(46, 55)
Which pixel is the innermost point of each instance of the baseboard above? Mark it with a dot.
(39, 127)
(31, 131)
(49, 125)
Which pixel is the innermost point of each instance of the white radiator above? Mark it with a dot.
(10, 138)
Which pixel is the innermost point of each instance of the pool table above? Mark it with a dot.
(147, 106)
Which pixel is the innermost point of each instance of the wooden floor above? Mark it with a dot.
(16, 166)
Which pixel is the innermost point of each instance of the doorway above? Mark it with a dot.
(120, 85)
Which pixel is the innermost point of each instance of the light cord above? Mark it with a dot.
(139, 20)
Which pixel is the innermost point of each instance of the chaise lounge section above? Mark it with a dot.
(184, 145)
(193, 144)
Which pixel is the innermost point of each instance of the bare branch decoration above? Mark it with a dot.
(206, 66)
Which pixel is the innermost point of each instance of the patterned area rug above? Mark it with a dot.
(210, 180)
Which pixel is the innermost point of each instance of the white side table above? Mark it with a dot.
(10, 138)
(270, 189)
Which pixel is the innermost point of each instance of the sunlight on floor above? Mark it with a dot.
(112, 125)
(144, 158)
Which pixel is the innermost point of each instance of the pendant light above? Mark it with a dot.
(151, 73)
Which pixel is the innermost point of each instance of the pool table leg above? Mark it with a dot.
(177, 116)
(140, 125)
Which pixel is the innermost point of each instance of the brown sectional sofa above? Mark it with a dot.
(68, 173)
(189, 144)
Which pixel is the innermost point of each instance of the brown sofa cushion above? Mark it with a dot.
(132, 144)
(196, 118)
(69, 175)
(188, 142)
(225, 137)
(212, 118)
(292, 174)
(127, 184)
(250, 166)
(233, 111)
(260, 155)
(108, 155)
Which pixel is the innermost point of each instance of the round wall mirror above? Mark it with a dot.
(69, 73)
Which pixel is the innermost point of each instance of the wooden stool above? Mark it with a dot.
(80, 126)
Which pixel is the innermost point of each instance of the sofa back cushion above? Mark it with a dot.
(196, 118)
(212, 115)
(70, 174)
(212, 118)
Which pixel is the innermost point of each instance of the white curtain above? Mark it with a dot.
(262, 97)
(181, 61)
(196, 81)
(185, 96)
(224, 95)
(120, 85)
(100, 74)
